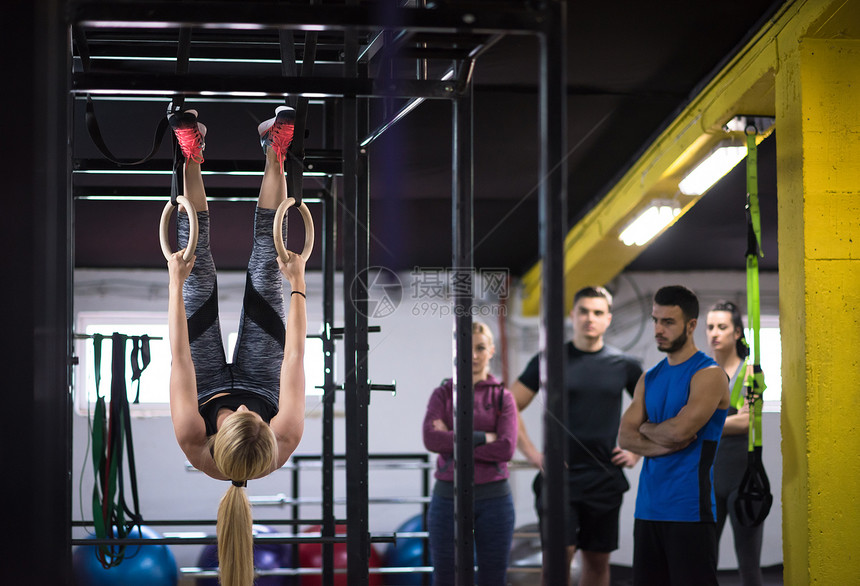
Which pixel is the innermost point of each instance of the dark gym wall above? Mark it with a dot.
(34, 236)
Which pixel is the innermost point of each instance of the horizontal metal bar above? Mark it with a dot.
(168, 84)
(393, 461)
(321, 159)
(107, 336)
(338, 332)
(192, 99)
(282, 500)
(276, 522)
(425, 465)
(387, 456)
(131, 50)
(499, 17)
(317, 163)
(267, 538)
(513, 465)
(140, 47)
(392, 388)
(152, 194)
(211, 573)
(206, 522)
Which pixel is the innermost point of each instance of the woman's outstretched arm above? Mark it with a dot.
(289, 423)
(188, 426)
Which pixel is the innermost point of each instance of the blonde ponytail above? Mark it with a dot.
(244, 448)
(235, 539)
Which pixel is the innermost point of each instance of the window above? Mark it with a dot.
(314, 367)
(314, 364)
(771, 361)
(155, 380)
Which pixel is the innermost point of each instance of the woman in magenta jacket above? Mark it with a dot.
(495, 438)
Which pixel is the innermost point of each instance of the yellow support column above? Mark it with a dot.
(818, 168)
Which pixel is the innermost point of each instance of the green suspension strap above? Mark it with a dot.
(112, 517)
(754, 497)
(140, 359)
(99, 432)
(737, 398)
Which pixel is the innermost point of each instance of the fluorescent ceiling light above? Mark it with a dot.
(712, 169)
(649, 223)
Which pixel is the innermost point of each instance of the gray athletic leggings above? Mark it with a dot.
(748, 540)
(259, 348)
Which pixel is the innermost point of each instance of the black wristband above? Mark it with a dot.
(299, 293)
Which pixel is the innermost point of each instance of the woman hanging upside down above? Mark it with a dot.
(236, 421)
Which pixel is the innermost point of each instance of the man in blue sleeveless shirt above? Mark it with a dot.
(675, 421)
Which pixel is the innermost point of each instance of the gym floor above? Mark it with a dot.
(622, 576)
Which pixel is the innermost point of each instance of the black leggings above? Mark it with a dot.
(259, 348)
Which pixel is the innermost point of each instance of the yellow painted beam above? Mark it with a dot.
(593, 254)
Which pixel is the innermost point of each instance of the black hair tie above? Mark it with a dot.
(239, 484)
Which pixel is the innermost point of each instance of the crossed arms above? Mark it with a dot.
(709, 391)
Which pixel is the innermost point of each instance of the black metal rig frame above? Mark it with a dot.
(369, 35)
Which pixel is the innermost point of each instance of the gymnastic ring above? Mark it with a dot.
(192, 228)
(278, 229)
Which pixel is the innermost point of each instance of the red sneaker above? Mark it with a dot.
(277, 132)
(189, 133)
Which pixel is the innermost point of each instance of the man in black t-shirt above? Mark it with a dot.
(596, 376)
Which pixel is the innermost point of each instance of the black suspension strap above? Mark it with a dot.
(182, 58)
(754, 497)
(289, 68)
(112, 517)
(183, 55)
(140, 359)
(92, 121)
(103, 483)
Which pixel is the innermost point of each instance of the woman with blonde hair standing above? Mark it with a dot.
(242, 420)
(495, 438)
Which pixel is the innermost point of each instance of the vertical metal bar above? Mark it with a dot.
(329, 211)
(355, 332)
(425, 492)
(422, 65)
(64, 263)
(349, 338)
(39, 301)
(362, 347)
(349, 271)
(296, 507)
(462, 273)
(553, 214)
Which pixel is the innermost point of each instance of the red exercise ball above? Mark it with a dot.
(310, 556)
